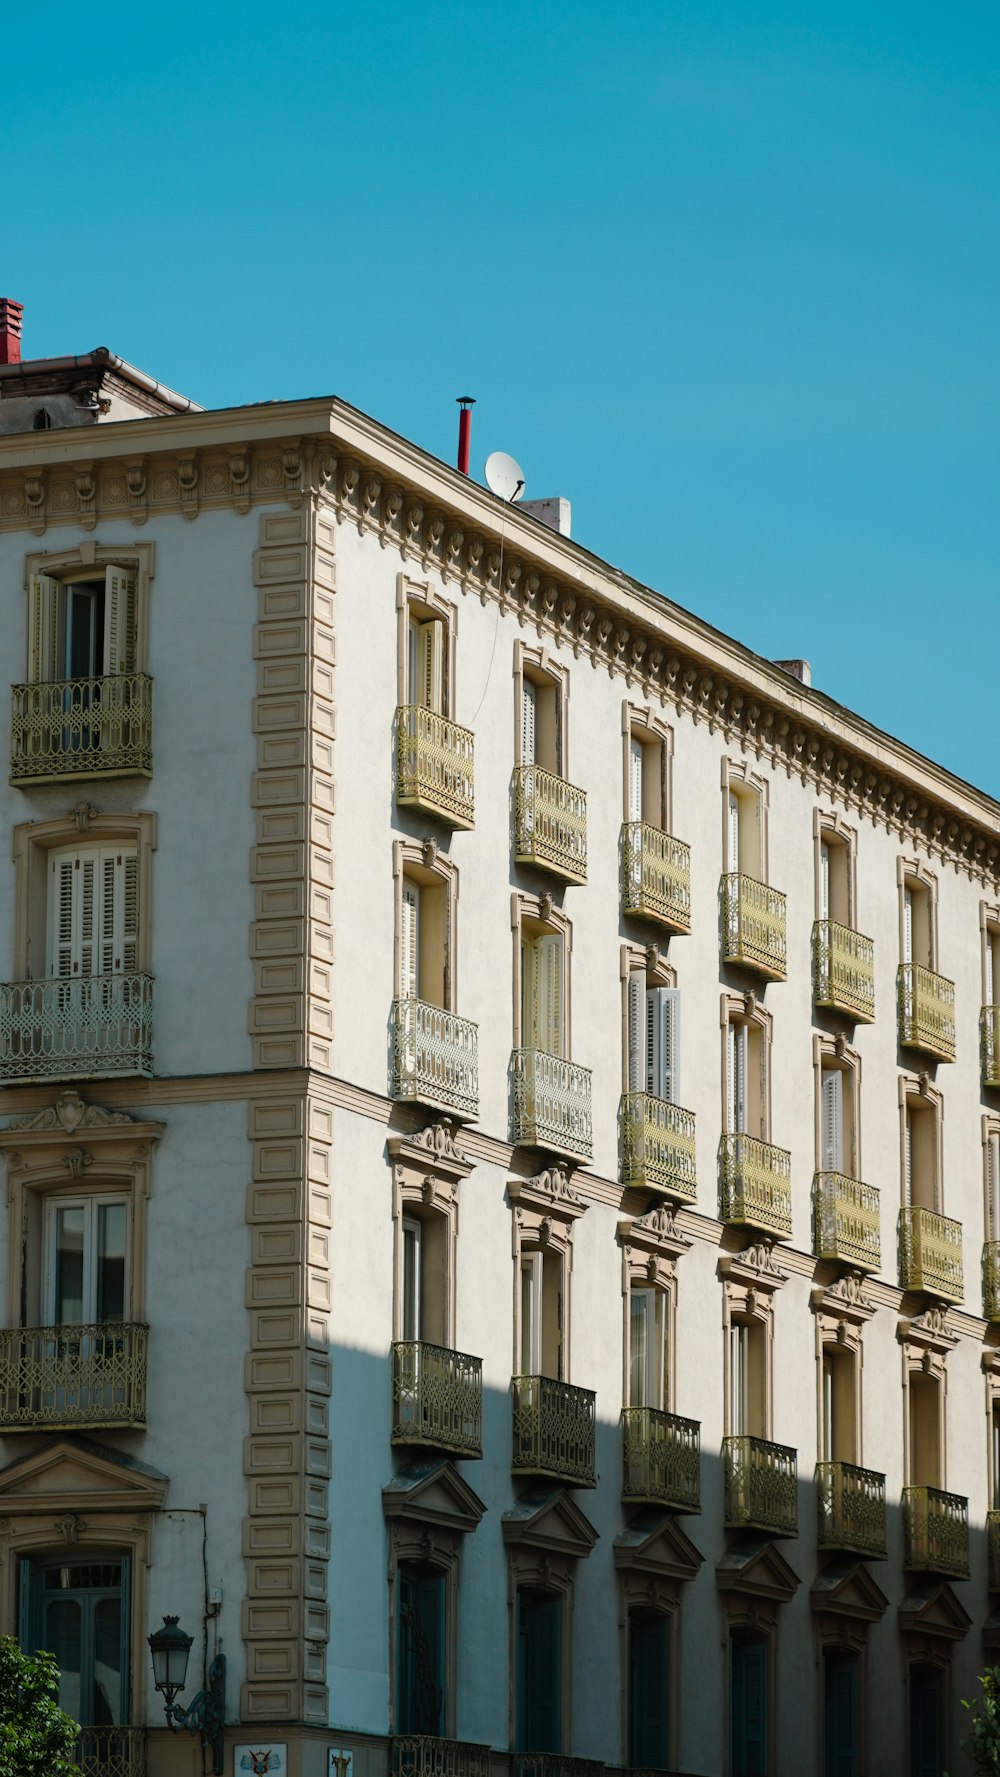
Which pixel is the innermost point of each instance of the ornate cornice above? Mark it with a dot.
(71, 1117)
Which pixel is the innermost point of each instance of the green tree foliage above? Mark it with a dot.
(983, 1744)
(36, 1736)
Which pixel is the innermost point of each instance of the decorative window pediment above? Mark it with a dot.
(546, 1205)
(550, 1525)
(926, 1340)
(757, 1571)
(841, 1310)
(750, 1280)
(72, 1119)
(432, 1497)
(430, 1162)
(73, 1475)
(932, 1614)
(845, 1593)
(654, 1558)
(652, 1243)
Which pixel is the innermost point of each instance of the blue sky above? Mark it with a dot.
(726, 276)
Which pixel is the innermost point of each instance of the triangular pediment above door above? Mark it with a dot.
(657, 1545)
(433, 1494)
(934, 1609)
(551, 1522)
(847, 1589)
(74, 1475)
(758, 1569)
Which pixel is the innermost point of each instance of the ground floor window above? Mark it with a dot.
(926, 1714)
(539, 1672)
(79, 1612)
(648, 1691)
(747, 1705)
(420, 1664)
(840, 1714)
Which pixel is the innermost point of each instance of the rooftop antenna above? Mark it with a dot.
(504, 477)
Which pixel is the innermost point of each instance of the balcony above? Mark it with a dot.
(423, 1755)
(930, 1254)
(661, 1459)
(82, 728)
(551, 1104)
(993, 1549)
(435, 766)
(847, 1225)
(97, 1027)
(926, 1006)
(851, 1504)
(843, 970)
(550, 823)
(991, 1280)
(656, 876)
(435, 1058)
(989, 1045)
(760, 1486)
(755, 1185)
(936, 1532)
(111, 1752)
(557, 1764)
(658, 1151)
(437, 1398)
(553, 1430)
(753, 926)
(68, 1377)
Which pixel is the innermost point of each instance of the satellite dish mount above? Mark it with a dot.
(504, 477)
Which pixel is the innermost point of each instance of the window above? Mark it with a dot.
(748, 1391)
(79, 1611)
(427, 632)
(425, 663)
(836, 866)
(648, 759)
(653, 1039)
(541, 736)
(543, 973)
(921, 1149)
(420, 1662)
(745, 808)
(991, 1177)
(995, 1455)
(92, 911)
(539, 1672)
(648, 1690)
(841, 1725)
(926, 1724)
(840, 1416)
(648, 1368)
(746, 1065)
(838, 1071)
(86, 1257)
(924, 1453)
(541, 1314)
(82, 627)
(748, 1727)
(545, 1209)
(991, 960)
(919, 917)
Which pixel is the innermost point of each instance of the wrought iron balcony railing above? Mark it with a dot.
(435, 765)
(551, 1104)
(930, 1254)
(753, 926)
(658, 1150)
(661, 1459)
(991, 1280)
(847, 1226)
(755, 1184)
(926, 1008)
(111, 1752)
(553, 1428)
(435, 1058)
(82, 728)
(656, 876)
(437, 1398)
(76, 1030)
(761, 1485)
(851, 1504)
(73, 1376)
(550, 823)
(936, 1532)
(993, 1549)
(555, 1764)
(423, 1755)
(989, 1045)
(843, 970)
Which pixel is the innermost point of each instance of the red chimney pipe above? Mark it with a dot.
(466, 403)
(10, 330)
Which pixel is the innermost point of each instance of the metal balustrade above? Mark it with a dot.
(550, 1104)
(111, 1752)
(851, 1509)
(993, 1549)
(930, 1254)
(424, 1755)
(555, 1764)
(753, 926)
(755, 1181)
(435, 765)
(98, 1025)
(926, 1011)
(847, 1225)
(991, 1280)
(437, 1397)
(936, 1532)
(989, 1045)
(661, 1459)
(82, 728)
(550, 823)
(656, 876)
(843, 970)
(761, 1480)
(62, 1377)
(553, 1427)
(435, 1058)
(658, 1146)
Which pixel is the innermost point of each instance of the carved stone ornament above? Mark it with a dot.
(656, 1232)
(929, 1330)
(433, 1152)
(70, 1114)
(846, 1299)
(549, 1191)
(754, 1266)
(439, 1139)
(83, 813)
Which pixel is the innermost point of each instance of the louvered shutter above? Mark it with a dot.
(119, 621)
(45, 600)
(550, 993)
(529, 995)
(409, 958)
(737, 1079)
(907, 926)
(824, 880)
(832, 1094)
(430, 665)
(733, 860)
(527, 722)
(636, 1033)
(74, 914)
(908, 1158)
(662, 1031)
(988, 983)
(118, 912)
(635, 767)
(992, 1187)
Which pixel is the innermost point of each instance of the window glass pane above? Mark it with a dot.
(640, 1334)
(411, 1280)
(111, 1233)
(420, 1678)
(648, 1693)
(748, 1707)
(529, 1315)
(68, 1307)
(107, 1677)
(539, 1673)
(62, 1635)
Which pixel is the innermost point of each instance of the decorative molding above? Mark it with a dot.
(845, 1300)
(656, 1233)
(754, 1267)
(550, 1192)
(73, 1116)
(928, 1332)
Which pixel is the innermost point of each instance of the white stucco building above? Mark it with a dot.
(499, 1104)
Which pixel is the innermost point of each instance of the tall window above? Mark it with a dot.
(925, 1453)
(748, 1379)
(541, 737)
(647, 1348)
(834, 896)
(82, 628)
(648, 772)
(426, 662)
(86, 1244)
(648, 1691)
(541, 1314)
(420, 1664)
(748, 1656)
(746, 1078)
(744, 832)
(921, 1183)
(841, 1736)
(838, 1105)
(424, 1308)
(991, 964)
(543, 990)
(79, 1611)
(926, 1721)
(653, 1039)
(919, 945)
(539, 1671)
(839, 1405)
(995, 1454)
(92, 911)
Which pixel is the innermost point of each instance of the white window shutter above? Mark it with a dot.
(908, 1158)
(907, 926)
(527, 722)
(635, 768)
(61, 908)
(636, 1033)
(989, 970)
(430, 650)
(75, 919)
(992, 1187)
(832, 1093)
(119, 620)
(45, 596)
(670, 1042)
(118, 912)
(737, 1071)
(662, 1028)
(824, 880)
(733, 860)
(550, 997)
(409, 941)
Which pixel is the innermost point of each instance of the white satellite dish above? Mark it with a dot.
(504, 476)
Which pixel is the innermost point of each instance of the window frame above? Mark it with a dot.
(543, 669)
(834, 1055)
(657, 738)
(425, 866)
(543, 919)
(917, 1088)
(748, 786)
(913, 875)
(418, 599)
(748, 1010)
(427, 1171)
(89, 561)
(830, 828)
(32, 843)
(545, 1209)
(652, 965)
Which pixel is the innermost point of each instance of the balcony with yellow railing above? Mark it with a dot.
(656, 876)
(935, 1532)
(761, 1485)
(68, 1378)
(434, 1058)
(553, 1430)
(991, 1280)
(85, 1028)
(993, 1549)
(550, 1104)
(843, 970)
(930, 1254)
(435, 765)
(753, 926)
(658, 1148)
(846, 1221)
(926, 1010)
(851, 1506)
(111, 1752)
(437, 1398)
(550, 823)
(424, 1755)
(82, 728)
(989, 1046)
(755, 1185)
(661, 1459)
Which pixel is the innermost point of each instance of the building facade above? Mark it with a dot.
(500, 1107)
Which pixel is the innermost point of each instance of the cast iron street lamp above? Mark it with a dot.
(170, 1648)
